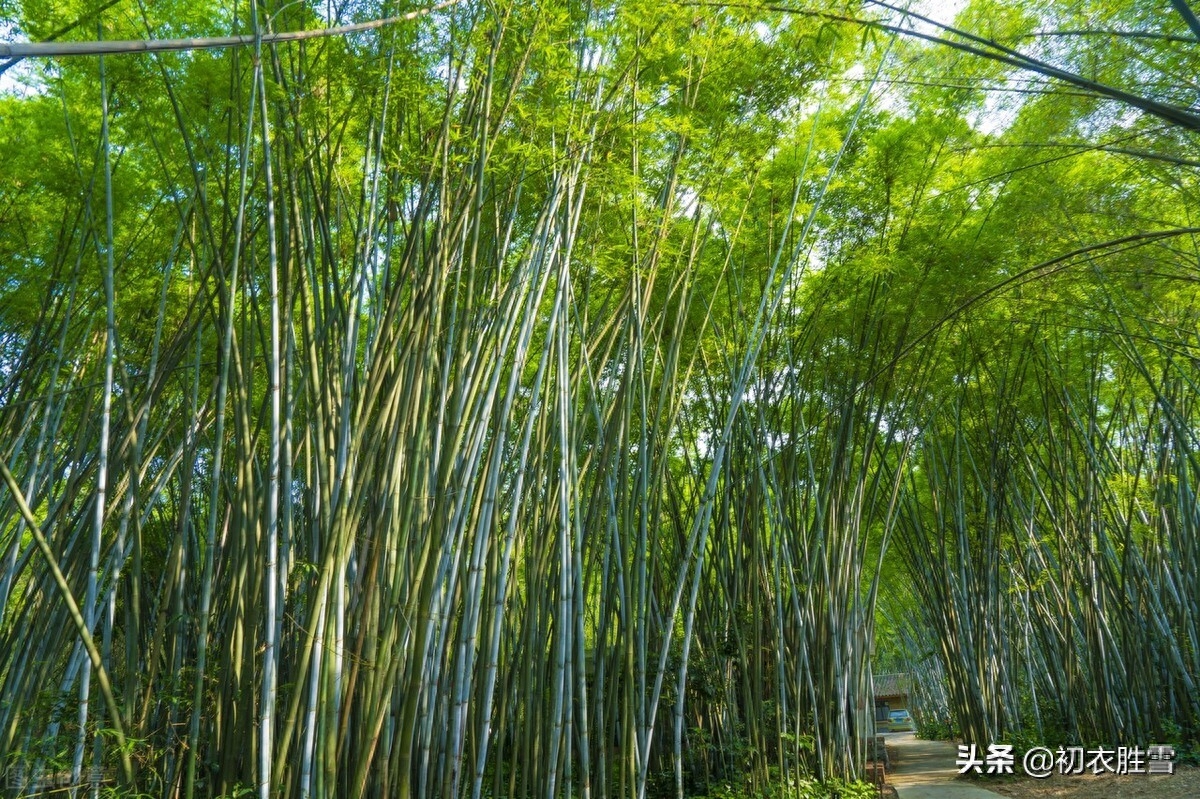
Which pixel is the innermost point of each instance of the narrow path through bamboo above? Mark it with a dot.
(925, 770)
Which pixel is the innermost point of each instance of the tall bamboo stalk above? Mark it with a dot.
(502, 442)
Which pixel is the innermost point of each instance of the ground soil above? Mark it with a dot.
(918, 762)
(1183, 784)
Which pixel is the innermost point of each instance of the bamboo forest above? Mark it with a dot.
(591, 398)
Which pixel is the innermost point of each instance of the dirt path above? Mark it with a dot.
(926, 770)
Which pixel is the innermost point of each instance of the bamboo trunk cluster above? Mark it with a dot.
(478, 439)
(401, 497)
(1054, 547)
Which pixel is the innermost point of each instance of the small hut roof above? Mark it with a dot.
(891, 685)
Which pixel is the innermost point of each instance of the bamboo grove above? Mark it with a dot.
(584, 399)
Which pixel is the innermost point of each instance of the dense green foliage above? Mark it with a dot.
(583, 399)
